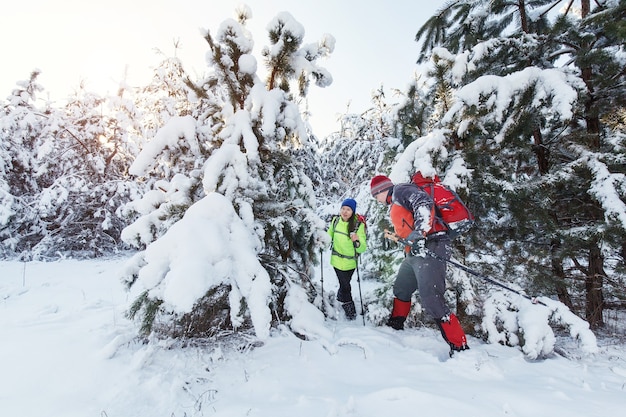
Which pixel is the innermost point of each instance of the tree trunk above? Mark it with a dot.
(523, 18)
(559, 274)
(595, 273)
(458, 145)
(593, 286)
(585, 8)
(542, 152)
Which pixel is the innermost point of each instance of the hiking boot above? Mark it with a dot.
(349, 309)
(399, 312)
(396, 322)
(453, 333)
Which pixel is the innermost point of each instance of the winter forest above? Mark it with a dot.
(219, 192)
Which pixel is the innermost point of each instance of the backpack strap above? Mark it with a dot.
(358, 219)
(334, 222)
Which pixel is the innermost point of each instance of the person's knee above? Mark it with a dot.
(434, 305)
(405, 284)
(403, 292)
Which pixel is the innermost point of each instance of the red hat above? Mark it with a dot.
(379, 184)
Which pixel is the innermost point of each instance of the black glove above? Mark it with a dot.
(418, 248)
(418, 243)
(415, 236)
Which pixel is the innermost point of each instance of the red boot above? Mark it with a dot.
(399, 313)
(453, 333)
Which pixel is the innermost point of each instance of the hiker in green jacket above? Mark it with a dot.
(347, 232)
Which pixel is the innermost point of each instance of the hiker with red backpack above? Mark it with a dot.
(347, 233)
(415, 218)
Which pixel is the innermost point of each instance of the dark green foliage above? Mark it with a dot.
(210, 316)
(147, 308)
(546, 188)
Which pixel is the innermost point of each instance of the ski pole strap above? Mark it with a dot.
(392, 236)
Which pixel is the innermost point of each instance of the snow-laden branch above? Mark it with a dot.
(210, 246)
(168, 136)
(515, 321)
(606, 187)
(425, 154)
(498, 96)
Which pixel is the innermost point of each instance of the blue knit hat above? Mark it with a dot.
(350, 203)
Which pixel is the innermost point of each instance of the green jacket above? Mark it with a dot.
(343, 251)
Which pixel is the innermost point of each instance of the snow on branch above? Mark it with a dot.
(420, 155)
(210, 246)
(496, 96)
(167, 137)
(515, 321)
(605, 187)
(428, 154)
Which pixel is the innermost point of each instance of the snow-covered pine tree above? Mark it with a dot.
(63, 178)
(350, 157)
(165, 116)
(529, 104)
(415, 113)
(593, 235)
(167, 95)
(94, 147)
(242, 253)
(25, 140)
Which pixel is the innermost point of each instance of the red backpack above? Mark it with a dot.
(451, 214)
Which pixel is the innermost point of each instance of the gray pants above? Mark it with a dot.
(428, 274)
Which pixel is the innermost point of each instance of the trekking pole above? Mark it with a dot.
(358, 280)
(322, 279)
(392, 236)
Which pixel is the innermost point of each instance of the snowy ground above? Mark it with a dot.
(67, 350)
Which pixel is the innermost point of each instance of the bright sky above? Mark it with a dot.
(96, 42)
